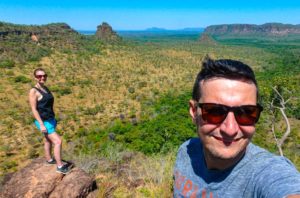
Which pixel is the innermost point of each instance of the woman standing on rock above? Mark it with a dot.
(41, 101)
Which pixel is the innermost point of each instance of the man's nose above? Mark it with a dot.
(230, 126)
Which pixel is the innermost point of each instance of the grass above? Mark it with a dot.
(132, 90)
(123, 173)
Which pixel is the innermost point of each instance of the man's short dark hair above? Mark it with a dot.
(223, 68)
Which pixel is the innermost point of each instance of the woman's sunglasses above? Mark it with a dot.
(216, 113)
(41, 76)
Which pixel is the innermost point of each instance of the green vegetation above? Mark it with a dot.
(125, 105)
(163, 127)
(22, 79)
(7, 64)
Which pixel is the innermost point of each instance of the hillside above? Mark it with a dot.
(8, 29)
(122, 108)
(22, 43)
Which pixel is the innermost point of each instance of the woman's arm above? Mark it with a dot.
(32, 102)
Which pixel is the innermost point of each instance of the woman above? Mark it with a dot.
(41, 101)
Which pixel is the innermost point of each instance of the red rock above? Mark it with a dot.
(40, 180)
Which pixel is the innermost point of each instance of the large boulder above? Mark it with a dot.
(106, 33)
(40, 180)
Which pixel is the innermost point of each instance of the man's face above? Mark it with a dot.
(227, 140)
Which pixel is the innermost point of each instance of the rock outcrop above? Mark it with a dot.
(106, 33)
(40, 180)
(271, 29)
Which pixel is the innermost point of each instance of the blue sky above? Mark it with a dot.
(141, 14)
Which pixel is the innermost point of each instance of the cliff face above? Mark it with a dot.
(273, 29)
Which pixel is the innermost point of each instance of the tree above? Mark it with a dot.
(279, 102)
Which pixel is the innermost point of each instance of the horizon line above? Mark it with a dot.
(155, 28)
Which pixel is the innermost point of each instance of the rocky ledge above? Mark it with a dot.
(41, 180)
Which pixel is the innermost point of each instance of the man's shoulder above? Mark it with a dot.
(259, 157)
(271, 171)
(258, 152)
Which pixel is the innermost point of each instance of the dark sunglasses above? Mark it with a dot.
(41, 76)
(216, 113)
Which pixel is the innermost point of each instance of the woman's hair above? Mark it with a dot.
(38, 69)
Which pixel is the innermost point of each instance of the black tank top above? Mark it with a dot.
(45, 105)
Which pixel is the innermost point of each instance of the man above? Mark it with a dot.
(223, 162)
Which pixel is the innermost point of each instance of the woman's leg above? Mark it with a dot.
(56, 141)
(47, 148)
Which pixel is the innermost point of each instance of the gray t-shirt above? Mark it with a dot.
(258, 174)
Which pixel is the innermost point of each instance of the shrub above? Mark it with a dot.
(142, 84)
(61, 90)
(82, 132)
(7, 64)
(8, 165)
(131, 90)
(95, 110)
(22, 79)
(32, 153)
(170, 126)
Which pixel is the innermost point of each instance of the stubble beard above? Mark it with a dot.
(215, 154)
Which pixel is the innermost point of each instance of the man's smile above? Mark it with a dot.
(227, 140)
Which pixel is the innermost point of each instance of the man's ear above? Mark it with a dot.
(193, 110)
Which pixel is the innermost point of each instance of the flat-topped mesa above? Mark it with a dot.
(106, 33)
(271, 29)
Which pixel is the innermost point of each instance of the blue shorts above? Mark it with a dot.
(49, 124)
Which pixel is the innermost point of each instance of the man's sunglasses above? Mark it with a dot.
(41, 76)
(216, 113)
